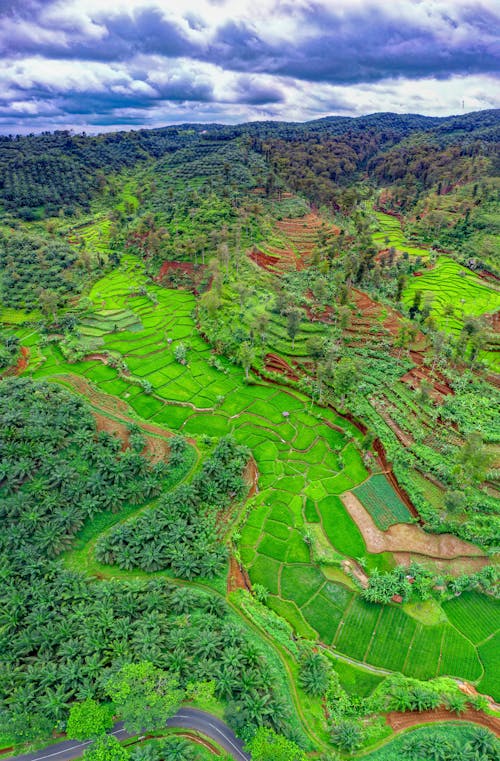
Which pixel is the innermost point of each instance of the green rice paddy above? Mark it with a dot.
(303, 464)
(390, 235)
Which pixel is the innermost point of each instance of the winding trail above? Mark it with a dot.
(185, 718)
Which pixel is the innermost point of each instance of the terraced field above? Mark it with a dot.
(295, 531)
(389, 235)
(456, 293)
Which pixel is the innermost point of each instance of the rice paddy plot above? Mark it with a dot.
(458, 656)
(489, 653)
(356, 631)
(379, 498)
(390, 235)
(393, 636)
(475, 615)
(455, 292)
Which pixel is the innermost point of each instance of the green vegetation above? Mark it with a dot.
(382, 502)
(209, 363)
(451, 741)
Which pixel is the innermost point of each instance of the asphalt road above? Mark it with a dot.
(185, 718)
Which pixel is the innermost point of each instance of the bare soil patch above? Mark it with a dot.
(113, 427)
(269, 263)
(251, 476)
(274, 363)
(237, 577)
(399, 720)
(182, 275)
(406, 538)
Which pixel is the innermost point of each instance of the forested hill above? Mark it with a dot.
(40, 175)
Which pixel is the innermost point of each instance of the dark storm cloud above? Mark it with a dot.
(357, 44)
(364, 46)
(84, 58)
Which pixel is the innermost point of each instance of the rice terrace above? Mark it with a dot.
(250, 443)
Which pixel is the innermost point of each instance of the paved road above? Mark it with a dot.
(185, 718)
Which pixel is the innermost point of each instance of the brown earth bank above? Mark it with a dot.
(409, 538)
(399, 720)
(251, 476)
(275, 364)
(237, 577)
(171, 272)
(20, 366)
(156, 448)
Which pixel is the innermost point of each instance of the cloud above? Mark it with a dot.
(291, 59)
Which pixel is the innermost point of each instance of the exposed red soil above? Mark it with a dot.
(440, 386)
(276, 364)
(182, 275)
(237, 577)
(96, 357)
(156, 449)
(20, 366)
(193, 737)
(302, 234)
(269, 263)
(251, 476)
(400, 720)
(114, 427)
(22, 362)
(487, 275)
(494, 321)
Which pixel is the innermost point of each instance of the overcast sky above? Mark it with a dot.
(96, 65)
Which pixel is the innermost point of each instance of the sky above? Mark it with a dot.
(99, 65)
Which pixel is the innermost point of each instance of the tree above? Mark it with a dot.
(48, 299)
(314, 674)
(293, 317)
(144, 695)
(268, 745)
(344, 377)
(246, 357)
(88, 720)
(347, 735)
(106, 748)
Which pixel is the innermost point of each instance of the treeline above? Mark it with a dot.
(183, 532)
(44, 174)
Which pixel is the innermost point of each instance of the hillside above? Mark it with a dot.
(250, 393)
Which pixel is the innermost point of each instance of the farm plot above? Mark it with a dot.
(474, 615)
(390, 235)
(382, 502)
(456, 293)
(298, 457)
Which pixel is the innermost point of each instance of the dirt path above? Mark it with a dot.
(408, 538)
(399, 720)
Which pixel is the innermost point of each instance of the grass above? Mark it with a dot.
(489, 653)
(382, 502)
(339, 527)
(354, 679)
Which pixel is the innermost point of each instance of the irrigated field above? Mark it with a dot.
(455, 293)
(296, 529)
(390, 235)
